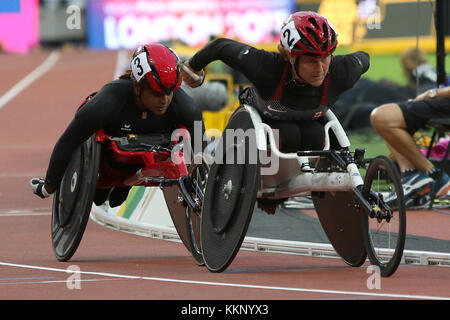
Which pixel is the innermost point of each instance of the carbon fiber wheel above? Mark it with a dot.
(73, 200)
(230, 195)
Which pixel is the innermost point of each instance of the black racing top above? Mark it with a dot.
(113, 109)
(265, 70)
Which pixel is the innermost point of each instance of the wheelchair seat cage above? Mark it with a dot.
(157, 167)
(302, 177)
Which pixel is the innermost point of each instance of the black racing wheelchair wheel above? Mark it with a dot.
(73, 200)
(384, 229)
(230, 194)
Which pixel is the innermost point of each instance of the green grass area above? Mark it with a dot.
(386, 67)
(372, 143)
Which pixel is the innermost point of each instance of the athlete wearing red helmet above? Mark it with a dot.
(146, 99)
(157, 66)
(155, 71)
(308, 33)
(291, 88)
(312, 35)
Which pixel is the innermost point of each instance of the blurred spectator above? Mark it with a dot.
(354, 106)
(396, 123)
(420, 73)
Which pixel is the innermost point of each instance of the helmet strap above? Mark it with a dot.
(138, 94)
(294, 60)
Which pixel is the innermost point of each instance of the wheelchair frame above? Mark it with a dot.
(158, 170)
(302, 173)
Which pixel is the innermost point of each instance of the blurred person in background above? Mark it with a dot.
(145, 99)
(353, 108)
(396, 123)
(292, 88)
(420, 74)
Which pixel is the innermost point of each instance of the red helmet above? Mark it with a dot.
(308, 32)
(157, 66)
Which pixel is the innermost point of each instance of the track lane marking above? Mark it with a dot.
(54, 281)
(16, 213)
(236, 285)
(30, 78)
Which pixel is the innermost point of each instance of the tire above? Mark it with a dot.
(230, 194)
(384, 231)
(73, 200)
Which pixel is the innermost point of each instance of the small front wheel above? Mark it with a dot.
(384, 228)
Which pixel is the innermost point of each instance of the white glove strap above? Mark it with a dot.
(37, 185)
(193, 75)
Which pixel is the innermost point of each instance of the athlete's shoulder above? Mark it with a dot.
(112, 96)
(119, 91)
(346, 69)
(358, 61)
(120, 85)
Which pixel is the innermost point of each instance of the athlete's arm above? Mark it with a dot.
(259, 66)
(430, 94)
(88, 119)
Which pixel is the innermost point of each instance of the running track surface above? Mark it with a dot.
(117, 265)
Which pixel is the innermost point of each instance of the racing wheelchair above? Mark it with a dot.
(104, 162)
(361, 217)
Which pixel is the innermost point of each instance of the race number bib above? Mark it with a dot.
(140, 66)
(289, 36)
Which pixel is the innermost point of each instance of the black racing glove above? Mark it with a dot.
(37, 185)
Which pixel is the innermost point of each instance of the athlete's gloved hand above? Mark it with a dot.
(192, 78)
(37, 185)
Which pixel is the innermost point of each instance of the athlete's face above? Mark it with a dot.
(154, 101)
(313, 69)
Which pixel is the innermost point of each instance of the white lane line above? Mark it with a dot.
(30, 78)
(36, 211)
(122, 63)
(54, 281)
(16, 213)
(237, 285)
(68, 270)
